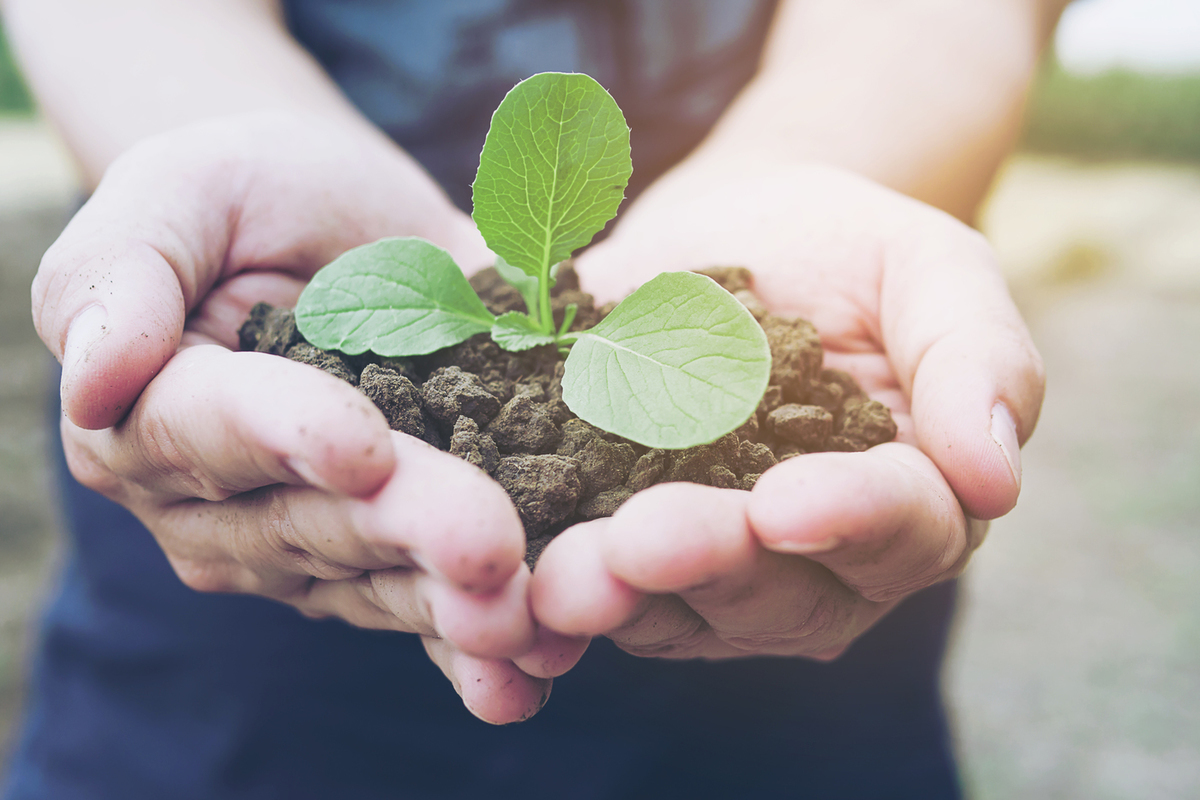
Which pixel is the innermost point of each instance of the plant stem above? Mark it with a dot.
(547, 320)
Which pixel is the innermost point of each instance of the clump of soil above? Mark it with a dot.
(504, 413)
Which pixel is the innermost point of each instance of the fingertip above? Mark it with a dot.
(807, 505)
(973, 439)
(676, 535)
(323, 430)
(573, 591)
(553, 653)
(493, 690)
(462, 523)
(499, 693)
(495, 625)
(108, 362)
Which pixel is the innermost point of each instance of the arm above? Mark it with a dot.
(112, 73)
(923, 97)
(227, 168)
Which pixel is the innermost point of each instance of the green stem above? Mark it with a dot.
(544, 301)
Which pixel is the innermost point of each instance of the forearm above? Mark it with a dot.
(111, 73)
(923, 96)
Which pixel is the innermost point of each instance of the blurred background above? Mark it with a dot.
(1075, 670)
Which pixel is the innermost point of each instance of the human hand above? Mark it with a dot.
(908, 301)
(257, 474)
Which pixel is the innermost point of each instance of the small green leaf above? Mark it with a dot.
(516, 332)
(397, 297)
(526, 285)
(678, 363)
(553, 170)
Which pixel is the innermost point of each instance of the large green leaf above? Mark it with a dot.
(396, 297)
(553, 170)
(680, 362)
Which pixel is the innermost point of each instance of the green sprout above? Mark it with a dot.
(680, 362)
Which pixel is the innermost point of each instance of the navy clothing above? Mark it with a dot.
(430, 73)
(145, 690)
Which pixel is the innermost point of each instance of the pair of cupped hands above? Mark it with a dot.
(264, 476)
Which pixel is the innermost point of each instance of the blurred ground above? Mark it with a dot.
(36, 187)
(1076, 668)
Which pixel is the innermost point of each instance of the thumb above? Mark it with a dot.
(976, 379)
(111, 295)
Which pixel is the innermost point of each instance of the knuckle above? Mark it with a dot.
(279, 532)
(205, 576)
(161, 454)
(89, 470)
(825, 622)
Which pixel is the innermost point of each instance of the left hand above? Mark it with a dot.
(907, 300)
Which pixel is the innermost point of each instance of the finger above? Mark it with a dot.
(214, 424)
(728, 597)
(416, 518)
(960, 346)
(883, 521)
(111, 294)
(697, 543)
(573, 591)
(497, 625)
(552, 653)
(494, 690)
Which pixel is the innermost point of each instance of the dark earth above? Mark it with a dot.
(504, 413)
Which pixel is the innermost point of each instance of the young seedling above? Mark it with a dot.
(680, 362)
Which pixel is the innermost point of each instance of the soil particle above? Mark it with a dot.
(450, 393)
(269, 330)
(722, 477)
(398, 399)
(473, 446)
(333, 363)
(503, 412)
(604, 504)
(867, 421)
(544, 488)
(806, 426)
(772, 399)
(576, 434)
(795, 355)
(648, 470)
(525, 426)
(747, 481)
(604, 465)
(695, 464)
(731, 279)
(754, 458)
(750, 300)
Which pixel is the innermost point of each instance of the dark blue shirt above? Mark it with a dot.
(145, 690)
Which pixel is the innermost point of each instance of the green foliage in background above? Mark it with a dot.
(1114, 115)
(13, 94)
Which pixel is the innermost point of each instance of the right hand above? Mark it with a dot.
(254, 473)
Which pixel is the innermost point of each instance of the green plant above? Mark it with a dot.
(680, 362)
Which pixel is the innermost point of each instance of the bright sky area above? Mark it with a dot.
(1161, 36)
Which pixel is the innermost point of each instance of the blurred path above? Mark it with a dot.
(35, 170)
(37, 186)
(1076, 672)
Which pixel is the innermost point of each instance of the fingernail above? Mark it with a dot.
(87, 329)
(306, 473)
(1004, 433)
(792, 547)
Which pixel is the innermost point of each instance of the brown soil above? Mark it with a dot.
(503, 412)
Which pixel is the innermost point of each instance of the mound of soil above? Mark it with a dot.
(504, 413)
